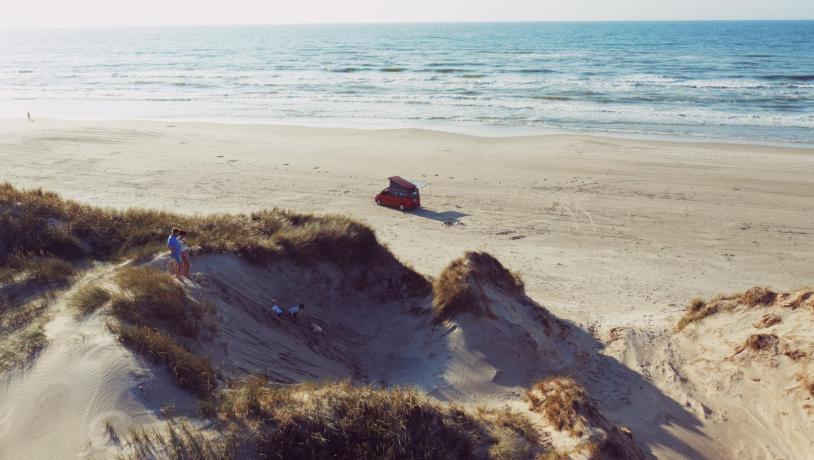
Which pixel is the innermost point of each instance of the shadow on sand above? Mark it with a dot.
(624, 396)
(447, 217)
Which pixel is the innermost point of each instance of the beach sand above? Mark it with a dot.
(606, 232)
(601, 229)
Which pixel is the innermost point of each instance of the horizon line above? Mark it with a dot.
(329, 23)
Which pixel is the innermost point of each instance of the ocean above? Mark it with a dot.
(734, 81)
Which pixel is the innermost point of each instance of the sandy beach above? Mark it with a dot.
(601, 229)
(617, 236)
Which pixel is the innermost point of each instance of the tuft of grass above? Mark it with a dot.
(758, 296)
(152, 297)
(767, 320)
(515, 436)
(806, 383)
(110, 430)
(698, 310)
(343, 421)
(49, 270)
(459, 288)
(178, 440)
(563, 402)
(760, 342)
(190, 371)
(88, 298)
(565, 405)
(21, 345)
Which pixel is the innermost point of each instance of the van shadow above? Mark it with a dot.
(447, 217)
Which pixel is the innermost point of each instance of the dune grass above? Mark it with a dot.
(459, 288)
(42, 223)
(341, 421)
(153, 309)
(88, 298)
(758, 296)
(565, 405)
(151, 297)
(190, 371)
(21, 345)
(178, 440)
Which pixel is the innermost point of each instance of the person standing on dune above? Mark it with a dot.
(174, 246)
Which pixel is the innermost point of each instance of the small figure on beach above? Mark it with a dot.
(174, 245)
(276, 308)
(293, 311)
(184, 248)
(28, 114)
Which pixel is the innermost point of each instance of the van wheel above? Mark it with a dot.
(379, 202)
(401, 206)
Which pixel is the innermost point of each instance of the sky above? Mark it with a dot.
(84, 13)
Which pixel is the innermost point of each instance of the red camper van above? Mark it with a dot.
(401, 194)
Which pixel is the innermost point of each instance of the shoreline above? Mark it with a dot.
(481, 131)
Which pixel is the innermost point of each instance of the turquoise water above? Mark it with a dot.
(750, 81)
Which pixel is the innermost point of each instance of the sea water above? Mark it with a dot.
(742, 81)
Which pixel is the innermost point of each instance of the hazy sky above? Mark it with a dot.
(49, 13)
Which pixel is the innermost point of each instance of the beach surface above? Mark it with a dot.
(602, 230)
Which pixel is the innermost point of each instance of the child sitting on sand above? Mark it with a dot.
(294, 310)
(276, 308)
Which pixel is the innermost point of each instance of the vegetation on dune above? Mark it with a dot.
(153, 309)
(564, 403)
(21, 330)
(190, 371)
(342, 421)
(151, 297)
(39, 222)
(459, 288)
(758, 296)
(88, 298)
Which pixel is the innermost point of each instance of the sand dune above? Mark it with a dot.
(732, 379)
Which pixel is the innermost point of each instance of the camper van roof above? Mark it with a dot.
(401, 183)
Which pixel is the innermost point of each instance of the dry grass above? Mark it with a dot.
(800, 299)
(806, 383)
(563, 402)
(565, 405)
(49, 270)
(152, 297)
(459, 288)
(698, 309)
(153, 309)
(20, 346)
(515, 435)
(767, 320)
(22, 334)
(40, 222)
(342, 421)
(759, 342)
(177, 441)
(190, 371)
(255, 419)
(88, 298)
(758, 296)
